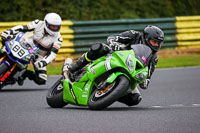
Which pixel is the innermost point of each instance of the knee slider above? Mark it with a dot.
(40, 81)
(131, 99)
(40, 78)
(96, 47)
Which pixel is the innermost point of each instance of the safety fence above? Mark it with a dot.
(78, 36)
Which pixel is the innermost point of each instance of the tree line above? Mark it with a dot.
(27, 10)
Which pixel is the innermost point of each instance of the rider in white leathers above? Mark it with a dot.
(46, 34)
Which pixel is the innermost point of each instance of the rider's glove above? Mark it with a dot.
(17, 29)
(10, 33)
(145, 84)
(7, 35)
(115, 46)
(40, 64)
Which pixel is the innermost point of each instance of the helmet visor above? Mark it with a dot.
(154, 43)
(54, 28)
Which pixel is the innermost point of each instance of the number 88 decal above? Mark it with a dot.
(21, 51)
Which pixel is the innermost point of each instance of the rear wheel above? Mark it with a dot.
(55, 95)
(103, 97)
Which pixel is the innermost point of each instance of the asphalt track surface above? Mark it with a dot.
(171, 104)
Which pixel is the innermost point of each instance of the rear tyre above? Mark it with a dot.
(55, 95)
(101, 99)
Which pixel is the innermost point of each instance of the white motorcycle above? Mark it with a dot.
(15, 57)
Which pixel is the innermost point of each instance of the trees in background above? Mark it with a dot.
(26, 10)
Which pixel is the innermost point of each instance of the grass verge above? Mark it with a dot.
(179, 61)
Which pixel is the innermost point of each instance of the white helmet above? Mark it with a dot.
(52, 24)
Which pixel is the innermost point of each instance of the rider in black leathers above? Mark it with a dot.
(152, 36)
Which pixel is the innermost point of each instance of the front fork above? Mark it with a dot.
(2, 58)
(7, 74)
(113, 76)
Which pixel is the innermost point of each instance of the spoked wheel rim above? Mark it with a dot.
(100, 93)
(119, 86)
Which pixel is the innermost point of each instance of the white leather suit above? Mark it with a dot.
(49, 43)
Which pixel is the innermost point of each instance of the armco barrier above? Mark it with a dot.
(87, 33)
(78, 36)
(188, 31)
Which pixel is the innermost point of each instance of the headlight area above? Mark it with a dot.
(129, 63)
(27, 57)
(141, 76)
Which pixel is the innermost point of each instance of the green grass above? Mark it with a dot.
(166, 62)
(179, 61)
(54, 69)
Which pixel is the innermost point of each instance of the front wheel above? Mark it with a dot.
(3, 69)
(55, 95)
(102, 98)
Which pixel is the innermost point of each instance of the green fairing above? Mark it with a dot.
(119, 63)
(67, 96)
(83, 88)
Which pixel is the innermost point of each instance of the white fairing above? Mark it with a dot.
(20, 48)
(18, 51)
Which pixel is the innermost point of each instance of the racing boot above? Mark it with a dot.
(65, 70)
(21, 77)
(28, 74)
(20, 81)
(80, 63)
(132, 98)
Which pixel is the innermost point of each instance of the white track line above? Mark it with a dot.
(177, 106)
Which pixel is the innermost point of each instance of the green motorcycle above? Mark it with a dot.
(103, 81)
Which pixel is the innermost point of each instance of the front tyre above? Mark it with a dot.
(102, 98)
(55, 95)
(3, 69)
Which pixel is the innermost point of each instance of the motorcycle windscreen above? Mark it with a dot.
(143, 53)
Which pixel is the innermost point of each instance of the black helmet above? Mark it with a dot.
(153, 37)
